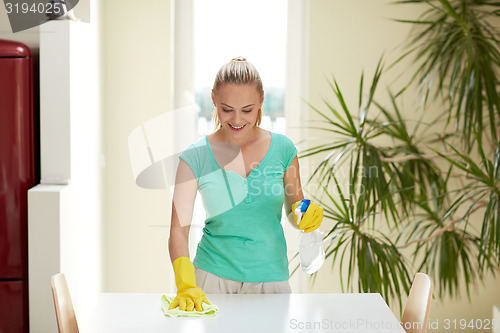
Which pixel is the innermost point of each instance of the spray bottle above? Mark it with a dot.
(311, 251)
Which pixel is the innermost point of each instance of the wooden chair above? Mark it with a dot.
(65, 314)
(416, 313)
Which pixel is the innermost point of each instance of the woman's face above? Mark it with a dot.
(237, 107)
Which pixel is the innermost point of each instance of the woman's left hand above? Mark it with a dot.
(312, 218)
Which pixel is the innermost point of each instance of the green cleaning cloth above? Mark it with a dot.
(208, 310)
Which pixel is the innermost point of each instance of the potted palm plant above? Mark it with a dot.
(430, 200)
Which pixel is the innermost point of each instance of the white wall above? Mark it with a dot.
(65, 221)
(345, 38)
(137, 87)
(65, 210)
(29, 37)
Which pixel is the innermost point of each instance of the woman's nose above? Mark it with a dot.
(237, 116)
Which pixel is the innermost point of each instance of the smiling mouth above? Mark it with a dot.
(237, 128)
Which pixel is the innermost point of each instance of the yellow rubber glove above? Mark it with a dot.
(189, 296)
(312, 218)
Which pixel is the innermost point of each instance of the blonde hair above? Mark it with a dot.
(238, 71)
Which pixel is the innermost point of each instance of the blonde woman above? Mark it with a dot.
(244, 175)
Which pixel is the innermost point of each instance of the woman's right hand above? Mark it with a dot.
(189, 296)
(189, 299)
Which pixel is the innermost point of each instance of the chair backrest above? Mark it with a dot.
(65, 314)
(416, 313)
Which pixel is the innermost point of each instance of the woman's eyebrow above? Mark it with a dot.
(229, 106)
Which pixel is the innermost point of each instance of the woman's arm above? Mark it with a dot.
(182, 211)
(189, 296)
(312, 218)
(293, 189)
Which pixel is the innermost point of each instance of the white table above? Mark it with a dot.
(257, 313)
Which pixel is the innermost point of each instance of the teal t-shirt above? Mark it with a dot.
(243, 238)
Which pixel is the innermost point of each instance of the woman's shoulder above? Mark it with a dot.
(283, 149)
(196, 148)
(281, 139)
(200, 142)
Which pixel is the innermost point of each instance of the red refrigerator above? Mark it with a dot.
(17, 175)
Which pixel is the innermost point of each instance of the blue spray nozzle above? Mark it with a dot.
(302, 206)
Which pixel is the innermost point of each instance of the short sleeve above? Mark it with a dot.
(289, 151)
(192, 158)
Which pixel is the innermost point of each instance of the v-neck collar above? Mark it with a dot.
(237, 174)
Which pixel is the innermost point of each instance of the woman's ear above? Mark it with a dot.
(213, 97)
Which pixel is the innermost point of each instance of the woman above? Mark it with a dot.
(244, 174)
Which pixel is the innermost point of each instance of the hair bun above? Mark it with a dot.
(239, 59)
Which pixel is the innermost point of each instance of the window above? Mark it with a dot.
(256, 30)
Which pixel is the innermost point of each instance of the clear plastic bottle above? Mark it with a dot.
(311, 251)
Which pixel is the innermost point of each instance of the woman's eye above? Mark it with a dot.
(226, 110)
(247, 110)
